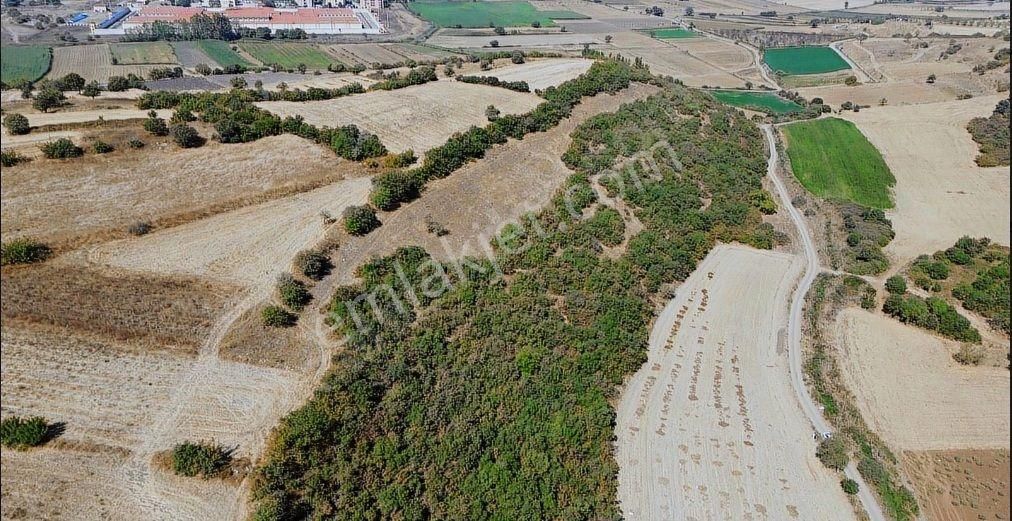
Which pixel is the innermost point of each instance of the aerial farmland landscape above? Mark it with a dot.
(505, 260)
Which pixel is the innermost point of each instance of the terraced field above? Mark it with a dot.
(143, 53)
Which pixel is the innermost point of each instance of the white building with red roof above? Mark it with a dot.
(311, 20)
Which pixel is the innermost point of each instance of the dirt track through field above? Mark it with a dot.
(913, 393)
(941, 194)
(709, 428)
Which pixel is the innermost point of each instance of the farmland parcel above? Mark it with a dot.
(484, 14)
(288, 55)
(672, 33)
(760, 101)
(25, 63)
(832, 159)
(804, 60)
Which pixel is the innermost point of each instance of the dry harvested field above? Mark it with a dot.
(416, 118)
(483, 196)
(709, 427)
(913, 394)
(953, 485)
(941, 194)
(251, 245)
(896, 93)
(85, 116)
(541, 74)
(977, 10)
(92, 62)
(672, 59)
(161, 184)
(173, 313)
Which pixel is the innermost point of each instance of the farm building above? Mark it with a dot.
(313, 21)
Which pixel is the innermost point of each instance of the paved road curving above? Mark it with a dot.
(812, 269)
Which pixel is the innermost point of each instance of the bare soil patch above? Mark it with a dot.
(69, 201)
(677, 59)
(250, 342)
(940, 193)
(92, 62)
(953, 485)
(911, 391)
(541, 74)
(710, 426)
(416, 118)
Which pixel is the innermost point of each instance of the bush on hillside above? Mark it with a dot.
(21, 433)
(24, 250)
(292, 292)
(62, 148)
(203, 459)
(17, 124)
(313, 264)
(359, 220)
(277, 316)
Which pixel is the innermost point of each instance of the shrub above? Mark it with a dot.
(139, 228)
(101, 147)
(833, 453)
(186, 136)
(969, 355)
(156, 125)
(135, 143)
(313, 264)
(24, 250)
(435, 228)
(293, 293)
(360, 220)
(849, 486)
(277, 316)
(402, 160)
(896, 285)
(62, 148)
(390, 189)
(22, 433)
(204, 459)
(48, 98)
(11, 158)
(17, 124)
(517, 57)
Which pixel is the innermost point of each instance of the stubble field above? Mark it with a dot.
(709, 427)
(93, 63)
(416, 118)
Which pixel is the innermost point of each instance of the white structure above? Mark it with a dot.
(313, 21)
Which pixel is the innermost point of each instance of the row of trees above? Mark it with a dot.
(519, 86)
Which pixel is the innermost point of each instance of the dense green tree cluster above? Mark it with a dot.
(204, 459)
(519, 86)
(868, 231)
(491, 399)
(931, 313)
(214, 26)
(359, 220)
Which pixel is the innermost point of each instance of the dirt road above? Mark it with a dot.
(812, 269)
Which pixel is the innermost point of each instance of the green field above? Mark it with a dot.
(758, 101)
(142, 53)
(29, 62)
(221, 52)
(672, 33)
(833, 159)
(804, 60)
(288, 55)
(485, 14)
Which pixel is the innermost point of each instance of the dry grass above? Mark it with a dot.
(176, 313)
(250, 342)
(540, 74)
(98, 196)
(417, 118)
(677, 59)
(911, 391)
(92, 62)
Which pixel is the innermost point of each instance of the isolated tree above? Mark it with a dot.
(72, 81)
(500, 31)
(896, 285)
(203, 69)
(517, 57)
(62, 148)
(92, 90)
(607, 38)
(689, 11)
(494, 43)
(849, 486)
(156, 125)
(17, 124)
(238, 82)
(850, 81)
(47, 99)
(931, 78)
(492, 113)
(359, 220)
(302, 68)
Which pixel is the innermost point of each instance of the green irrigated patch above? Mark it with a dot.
(833, 159)
(804, 60)
(221, 52)
(288, 55)
(29, 63)
(484, 14)
(672, 33)
(759, 101)
(143, 53)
